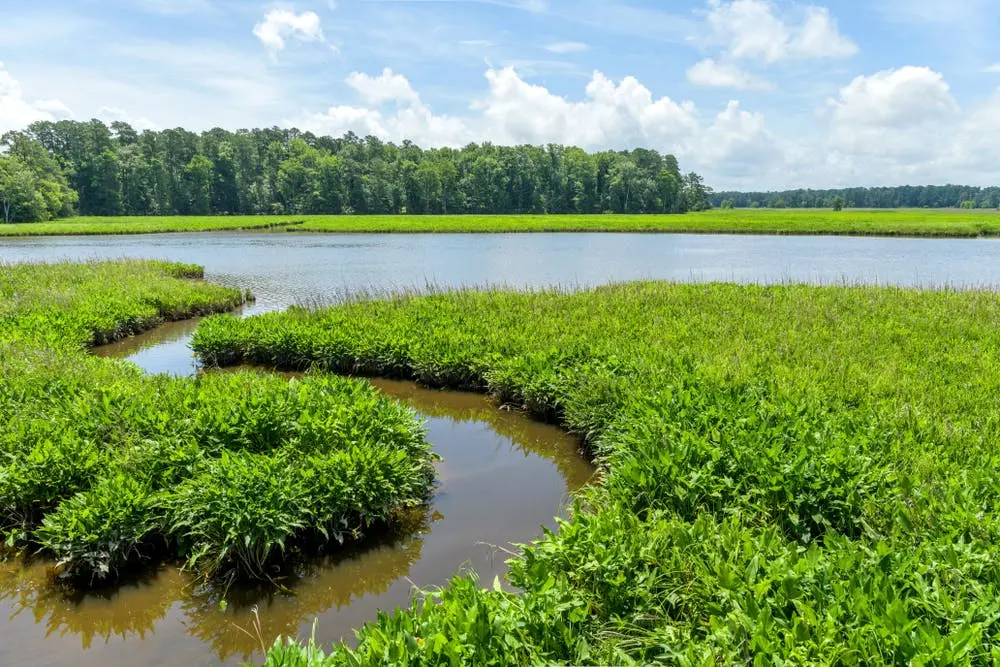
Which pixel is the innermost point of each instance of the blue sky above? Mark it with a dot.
(752, 93)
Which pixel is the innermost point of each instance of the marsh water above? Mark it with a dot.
(502, 475)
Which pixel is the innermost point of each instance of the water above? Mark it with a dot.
(503, 475)
(282, 267)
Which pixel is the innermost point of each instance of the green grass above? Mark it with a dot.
(106, 468)
(908, 222)
(88, 226)
(791, 474)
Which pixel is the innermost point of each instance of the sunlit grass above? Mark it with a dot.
(878, 222)
(794, 472)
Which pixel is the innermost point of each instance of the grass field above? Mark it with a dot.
(910, 222)
(791, 474)
(146, 225)
(108, 469)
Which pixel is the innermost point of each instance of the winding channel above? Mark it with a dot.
(502, 476)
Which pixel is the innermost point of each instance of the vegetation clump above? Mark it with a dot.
(792, 474)
(106, 468)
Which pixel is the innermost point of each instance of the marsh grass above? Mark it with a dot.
(791, 473)
(858, 222)
(107, 469)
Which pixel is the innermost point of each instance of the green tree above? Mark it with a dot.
(198, 185)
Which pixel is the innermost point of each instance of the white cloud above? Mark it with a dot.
(751, 30)
(280, 24)
(16, 112)
(993, 69)
(897, 125)
(611, 115)
(895, 98)
(819, 37)
(564, 48)
(386, 87)
(714, 74)
(737, 145)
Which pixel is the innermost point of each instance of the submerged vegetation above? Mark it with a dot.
(106, 468)
(930, 223)
(792, 474)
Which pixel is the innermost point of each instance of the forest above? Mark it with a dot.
(57, 169)
(907, 196)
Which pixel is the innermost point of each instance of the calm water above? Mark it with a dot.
(503, 475)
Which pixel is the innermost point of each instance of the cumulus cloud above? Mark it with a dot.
(610, 115)
(752, 31)
(16, 112)
(819, 37)
(714, 74)
(895, 98)
(386, 87)
(281, 24)
(890, 127)
(897, 125)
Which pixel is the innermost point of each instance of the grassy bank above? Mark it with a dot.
(915, 222)
(93, 226)
(792, 474)
(106, 468)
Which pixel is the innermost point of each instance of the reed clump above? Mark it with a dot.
(791, 474)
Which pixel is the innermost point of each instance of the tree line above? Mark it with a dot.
(54, 169)
(909, 196)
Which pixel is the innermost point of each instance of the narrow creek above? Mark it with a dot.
(502, 477)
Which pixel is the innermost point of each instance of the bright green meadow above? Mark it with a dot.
(791, 474)
(108, 469)
(875, 222)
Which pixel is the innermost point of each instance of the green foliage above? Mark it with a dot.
(793, 474)
(106, 468)
(907, 196)
(33, 187)
(117, 171)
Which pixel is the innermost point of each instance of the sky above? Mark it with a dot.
(753, 94)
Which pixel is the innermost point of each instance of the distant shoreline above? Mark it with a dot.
(916, 223)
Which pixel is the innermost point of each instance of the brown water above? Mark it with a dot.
(503, 475)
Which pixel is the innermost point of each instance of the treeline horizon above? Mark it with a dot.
(903, 196)
(56, 169)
